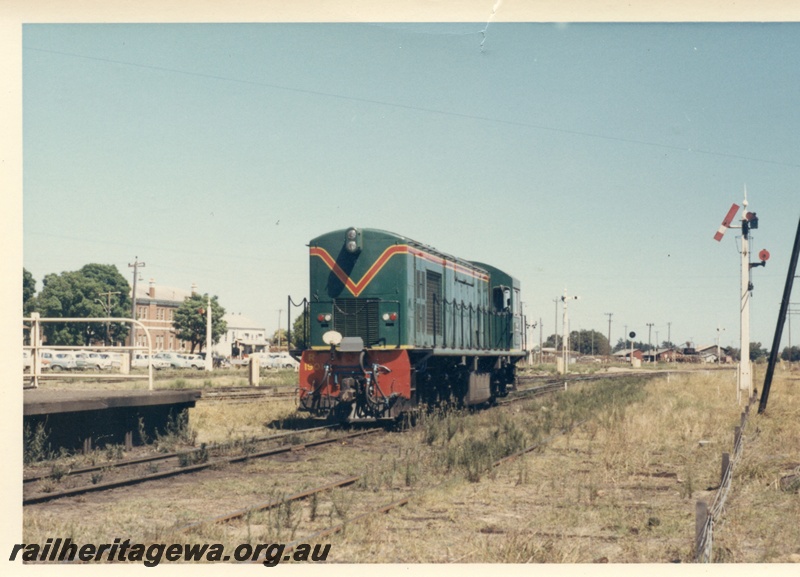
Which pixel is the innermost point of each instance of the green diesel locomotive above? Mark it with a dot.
(393, 323)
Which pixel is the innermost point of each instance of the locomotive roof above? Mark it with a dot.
(400, 239)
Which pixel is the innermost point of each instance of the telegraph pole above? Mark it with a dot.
(209, 357)
(107, 308)
(650, 341)
(541, 353)
(555, 327)
(135, 265)
(565, 329)
(609, 331)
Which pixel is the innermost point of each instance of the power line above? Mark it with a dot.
(401, 106)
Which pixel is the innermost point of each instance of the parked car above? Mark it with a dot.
(143, 361)
(280, 360)
(194, 361)
(58, 361)
(114, 359)
(182, 360)
(92, 360)
(174, 360)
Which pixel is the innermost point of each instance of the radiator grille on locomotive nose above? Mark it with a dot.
(356, 318)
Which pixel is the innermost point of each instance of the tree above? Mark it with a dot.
(190, 321)
(299, 327)
(757, 353)
(28, 292)
(278, 338)
(80, 294)
(588, 342)
(552, 342)
(584, 342)
(791, 354)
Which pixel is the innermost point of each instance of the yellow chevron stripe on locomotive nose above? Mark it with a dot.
(356, 288)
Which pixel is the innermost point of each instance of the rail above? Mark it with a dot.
(36, 347)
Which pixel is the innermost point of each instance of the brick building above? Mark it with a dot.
(155, 308)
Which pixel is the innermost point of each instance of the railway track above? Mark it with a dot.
(195, 460)
(310, 503)
(244, 393)
(179, 468)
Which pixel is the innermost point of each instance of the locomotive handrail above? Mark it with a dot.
(306, 321)
(487, 328)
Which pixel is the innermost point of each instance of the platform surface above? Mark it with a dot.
(50, 401)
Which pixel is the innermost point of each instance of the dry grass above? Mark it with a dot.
(761, 524)
(218, 422)
(621, 487)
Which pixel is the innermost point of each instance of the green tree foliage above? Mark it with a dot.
(553, 341)
(757, 352)
(278, 338)
(588, 342)
(299, 329)
(80, 294)
(28, 292)
(190, 321)
(791, 354)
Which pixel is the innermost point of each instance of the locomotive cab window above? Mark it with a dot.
(502, 298)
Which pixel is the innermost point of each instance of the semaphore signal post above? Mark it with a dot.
(749, 221)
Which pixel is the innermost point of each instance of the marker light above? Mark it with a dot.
(324, 318)
(389, 317)
(351, 238)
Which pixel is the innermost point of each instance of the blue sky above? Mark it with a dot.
(600, 158)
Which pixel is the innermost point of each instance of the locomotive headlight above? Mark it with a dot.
(352, 240)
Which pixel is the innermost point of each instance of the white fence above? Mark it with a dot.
(37, 374)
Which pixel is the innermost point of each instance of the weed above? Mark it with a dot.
(314, 503)
(176, 432)
(143, 437)
(114, 452)
(34, 443)
(193, 457)
(340, 505)
(58, 471)
(411, 474)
